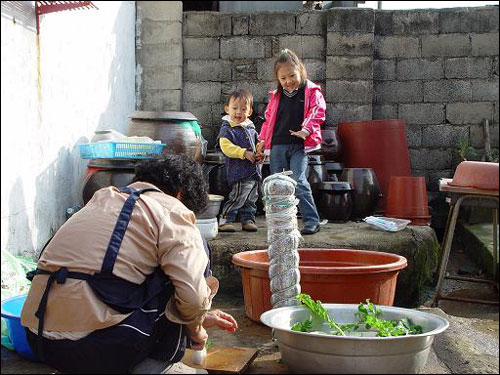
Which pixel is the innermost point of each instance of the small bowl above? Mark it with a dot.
(477, 175)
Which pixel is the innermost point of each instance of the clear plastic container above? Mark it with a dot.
(388, 224)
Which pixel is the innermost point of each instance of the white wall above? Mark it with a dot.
(83, 80)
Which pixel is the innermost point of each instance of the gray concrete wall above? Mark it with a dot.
(437, 69)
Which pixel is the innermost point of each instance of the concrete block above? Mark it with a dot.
(495, 113)
(384, 22)
(352, 67)
(429, 159)
(218, 112)
(385, 111)
(351, 19)
(242, 47)
(469, 113)
(202, 111)
(206, 24)
(244, 70)
(159, 10)
(484, 44)
(305, 46)
(161, 100)
(419, 69)
(316, 69)
(259, 90)
(162, 78)
(446, 45)
(494, 67)
(201, 48)
(415, 22)
(160, 32)
(447, 91)
(265, 70)
(389, 47)
(444, 136)
(272, 23)
(240, 24)
(207, 70)
(433, 178)
(349, 44)
(349, 92)
(384, 70)
(339, 112)
(422, 113)
(311, 23)
(205, 92)
(466, 20)
(485, 90)
(398, 92)
(477, 136)
(414, 135)
(157, 55)
(468, 67)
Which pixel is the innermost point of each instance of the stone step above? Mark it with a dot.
(478, 242)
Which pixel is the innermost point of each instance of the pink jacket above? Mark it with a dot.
(314, 115)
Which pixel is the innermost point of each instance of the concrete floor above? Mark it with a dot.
(470, 345)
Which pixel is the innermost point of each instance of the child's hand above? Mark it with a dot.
(250, 156)
(260, 157)
(300, 134)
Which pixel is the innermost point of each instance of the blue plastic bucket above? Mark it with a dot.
(11, 312)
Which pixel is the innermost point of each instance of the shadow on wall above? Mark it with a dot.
(19, 241)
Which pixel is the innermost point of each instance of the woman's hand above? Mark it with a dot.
(301, 134)
(220, 319)
(198, 337)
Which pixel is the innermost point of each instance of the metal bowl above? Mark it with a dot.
(313, 353)
(213, 207)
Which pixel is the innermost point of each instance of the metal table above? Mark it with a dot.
(471, 197)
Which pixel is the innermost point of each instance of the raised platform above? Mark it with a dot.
(418, 244)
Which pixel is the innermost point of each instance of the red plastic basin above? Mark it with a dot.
(476, 174)
(329, 275)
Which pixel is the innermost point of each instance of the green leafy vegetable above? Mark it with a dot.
(317, 308)
(367, 314)
(208, 345)
(304, 326)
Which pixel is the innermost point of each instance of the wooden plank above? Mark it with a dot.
(224, 359)
(444, 186)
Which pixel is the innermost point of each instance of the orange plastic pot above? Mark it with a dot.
(330, 275)
(476, 174)
(407, 198)
(377, 144)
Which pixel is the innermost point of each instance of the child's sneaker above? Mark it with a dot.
(228, 227)
(249, 226)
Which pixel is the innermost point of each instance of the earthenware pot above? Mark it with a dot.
(366, 190)
(335, 203)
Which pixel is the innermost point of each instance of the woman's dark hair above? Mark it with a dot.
(175, 174)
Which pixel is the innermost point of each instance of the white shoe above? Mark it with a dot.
(153, 366)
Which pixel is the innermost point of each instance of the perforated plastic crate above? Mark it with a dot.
(119, 150)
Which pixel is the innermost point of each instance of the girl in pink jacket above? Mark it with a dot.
(292, 129)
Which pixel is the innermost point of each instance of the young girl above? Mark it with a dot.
(292, 129)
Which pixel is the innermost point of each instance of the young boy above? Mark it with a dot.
(238, 141)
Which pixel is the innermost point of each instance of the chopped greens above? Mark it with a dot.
(368, 317)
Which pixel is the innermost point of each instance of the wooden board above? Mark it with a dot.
(224, 359)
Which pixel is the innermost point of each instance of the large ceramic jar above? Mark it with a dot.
(316, 174)
(171, 128)
(366, 190)
(214, 171)
(101, 173)
(335, 203)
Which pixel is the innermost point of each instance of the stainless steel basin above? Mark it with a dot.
(313, 353)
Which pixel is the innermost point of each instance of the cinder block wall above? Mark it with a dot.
(437, 69)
